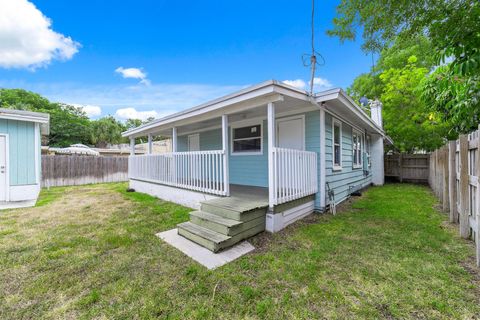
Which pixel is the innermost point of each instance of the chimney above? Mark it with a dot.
(376, 112)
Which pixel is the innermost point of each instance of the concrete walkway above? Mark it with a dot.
(202, 255)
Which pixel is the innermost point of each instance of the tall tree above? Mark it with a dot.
(107, 130)
(412, 126)
(395, 56)
(68, 124)
(452, 26)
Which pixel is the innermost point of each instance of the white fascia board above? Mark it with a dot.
(348, 101)
(271, 90)
(20, 115)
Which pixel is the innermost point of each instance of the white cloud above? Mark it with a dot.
(90, 110)
(298, 83)
(134, 73)
(320, 84)
(132, 113)
(26, 37)
(165, 98)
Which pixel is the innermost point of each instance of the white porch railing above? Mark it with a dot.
(195, 170)
(295, 174)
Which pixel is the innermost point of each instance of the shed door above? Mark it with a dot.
(291, 133)
(3, 168)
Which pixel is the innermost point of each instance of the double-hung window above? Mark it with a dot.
(357, 149)
(337, 145)
(247, 140)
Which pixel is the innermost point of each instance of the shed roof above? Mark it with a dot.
(29, 116)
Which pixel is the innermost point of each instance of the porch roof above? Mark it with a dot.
(251, 102)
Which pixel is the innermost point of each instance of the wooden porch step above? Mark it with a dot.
(232, 212)
(212, 240)
(228, 227)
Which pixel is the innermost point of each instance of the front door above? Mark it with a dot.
(3, 168)
(194, 166)
(291, 133)
(194, 142)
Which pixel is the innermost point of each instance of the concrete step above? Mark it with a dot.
(228, 212)
(222, 225)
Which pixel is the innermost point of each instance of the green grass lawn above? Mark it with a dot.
(91, 252)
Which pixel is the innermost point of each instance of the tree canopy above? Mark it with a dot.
(68, 124)
(444, 36)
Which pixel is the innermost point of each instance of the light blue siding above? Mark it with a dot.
(21, 151)
(340, 181)
(312, 143)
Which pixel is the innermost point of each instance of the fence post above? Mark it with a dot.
(477, 199)
(400, 166)
(452, 181)
(464, 223)
(446, 175)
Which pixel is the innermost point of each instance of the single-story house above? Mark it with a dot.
(20, 156)
(260, 158)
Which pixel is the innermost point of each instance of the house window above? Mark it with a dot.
(247, 140)
(357, 148)
(337, 145)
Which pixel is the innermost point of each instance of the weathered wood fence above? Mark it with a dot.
(77, 170)
(454, 178)
(407, 167)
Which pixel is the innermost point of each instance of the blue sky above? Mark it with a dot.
(183, 52)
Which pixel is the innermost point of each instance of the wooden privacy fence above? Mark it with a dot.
(454, 178)
(60, 170)
(407, 167)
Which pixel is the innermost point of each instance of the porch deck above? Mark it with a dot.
(242, 198)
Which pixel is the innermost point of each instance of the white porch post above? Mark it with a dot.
(174, 139)
(132, 146)
(150, 146)
(226, 178)
(322, 154)
(174, 158)
(271, 146)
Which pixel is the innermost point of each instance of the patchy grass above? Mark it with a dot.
(91, 252)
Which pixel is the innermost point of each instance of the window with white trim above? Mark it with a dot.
(247, 140)
(337, 144)
(357, 148)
